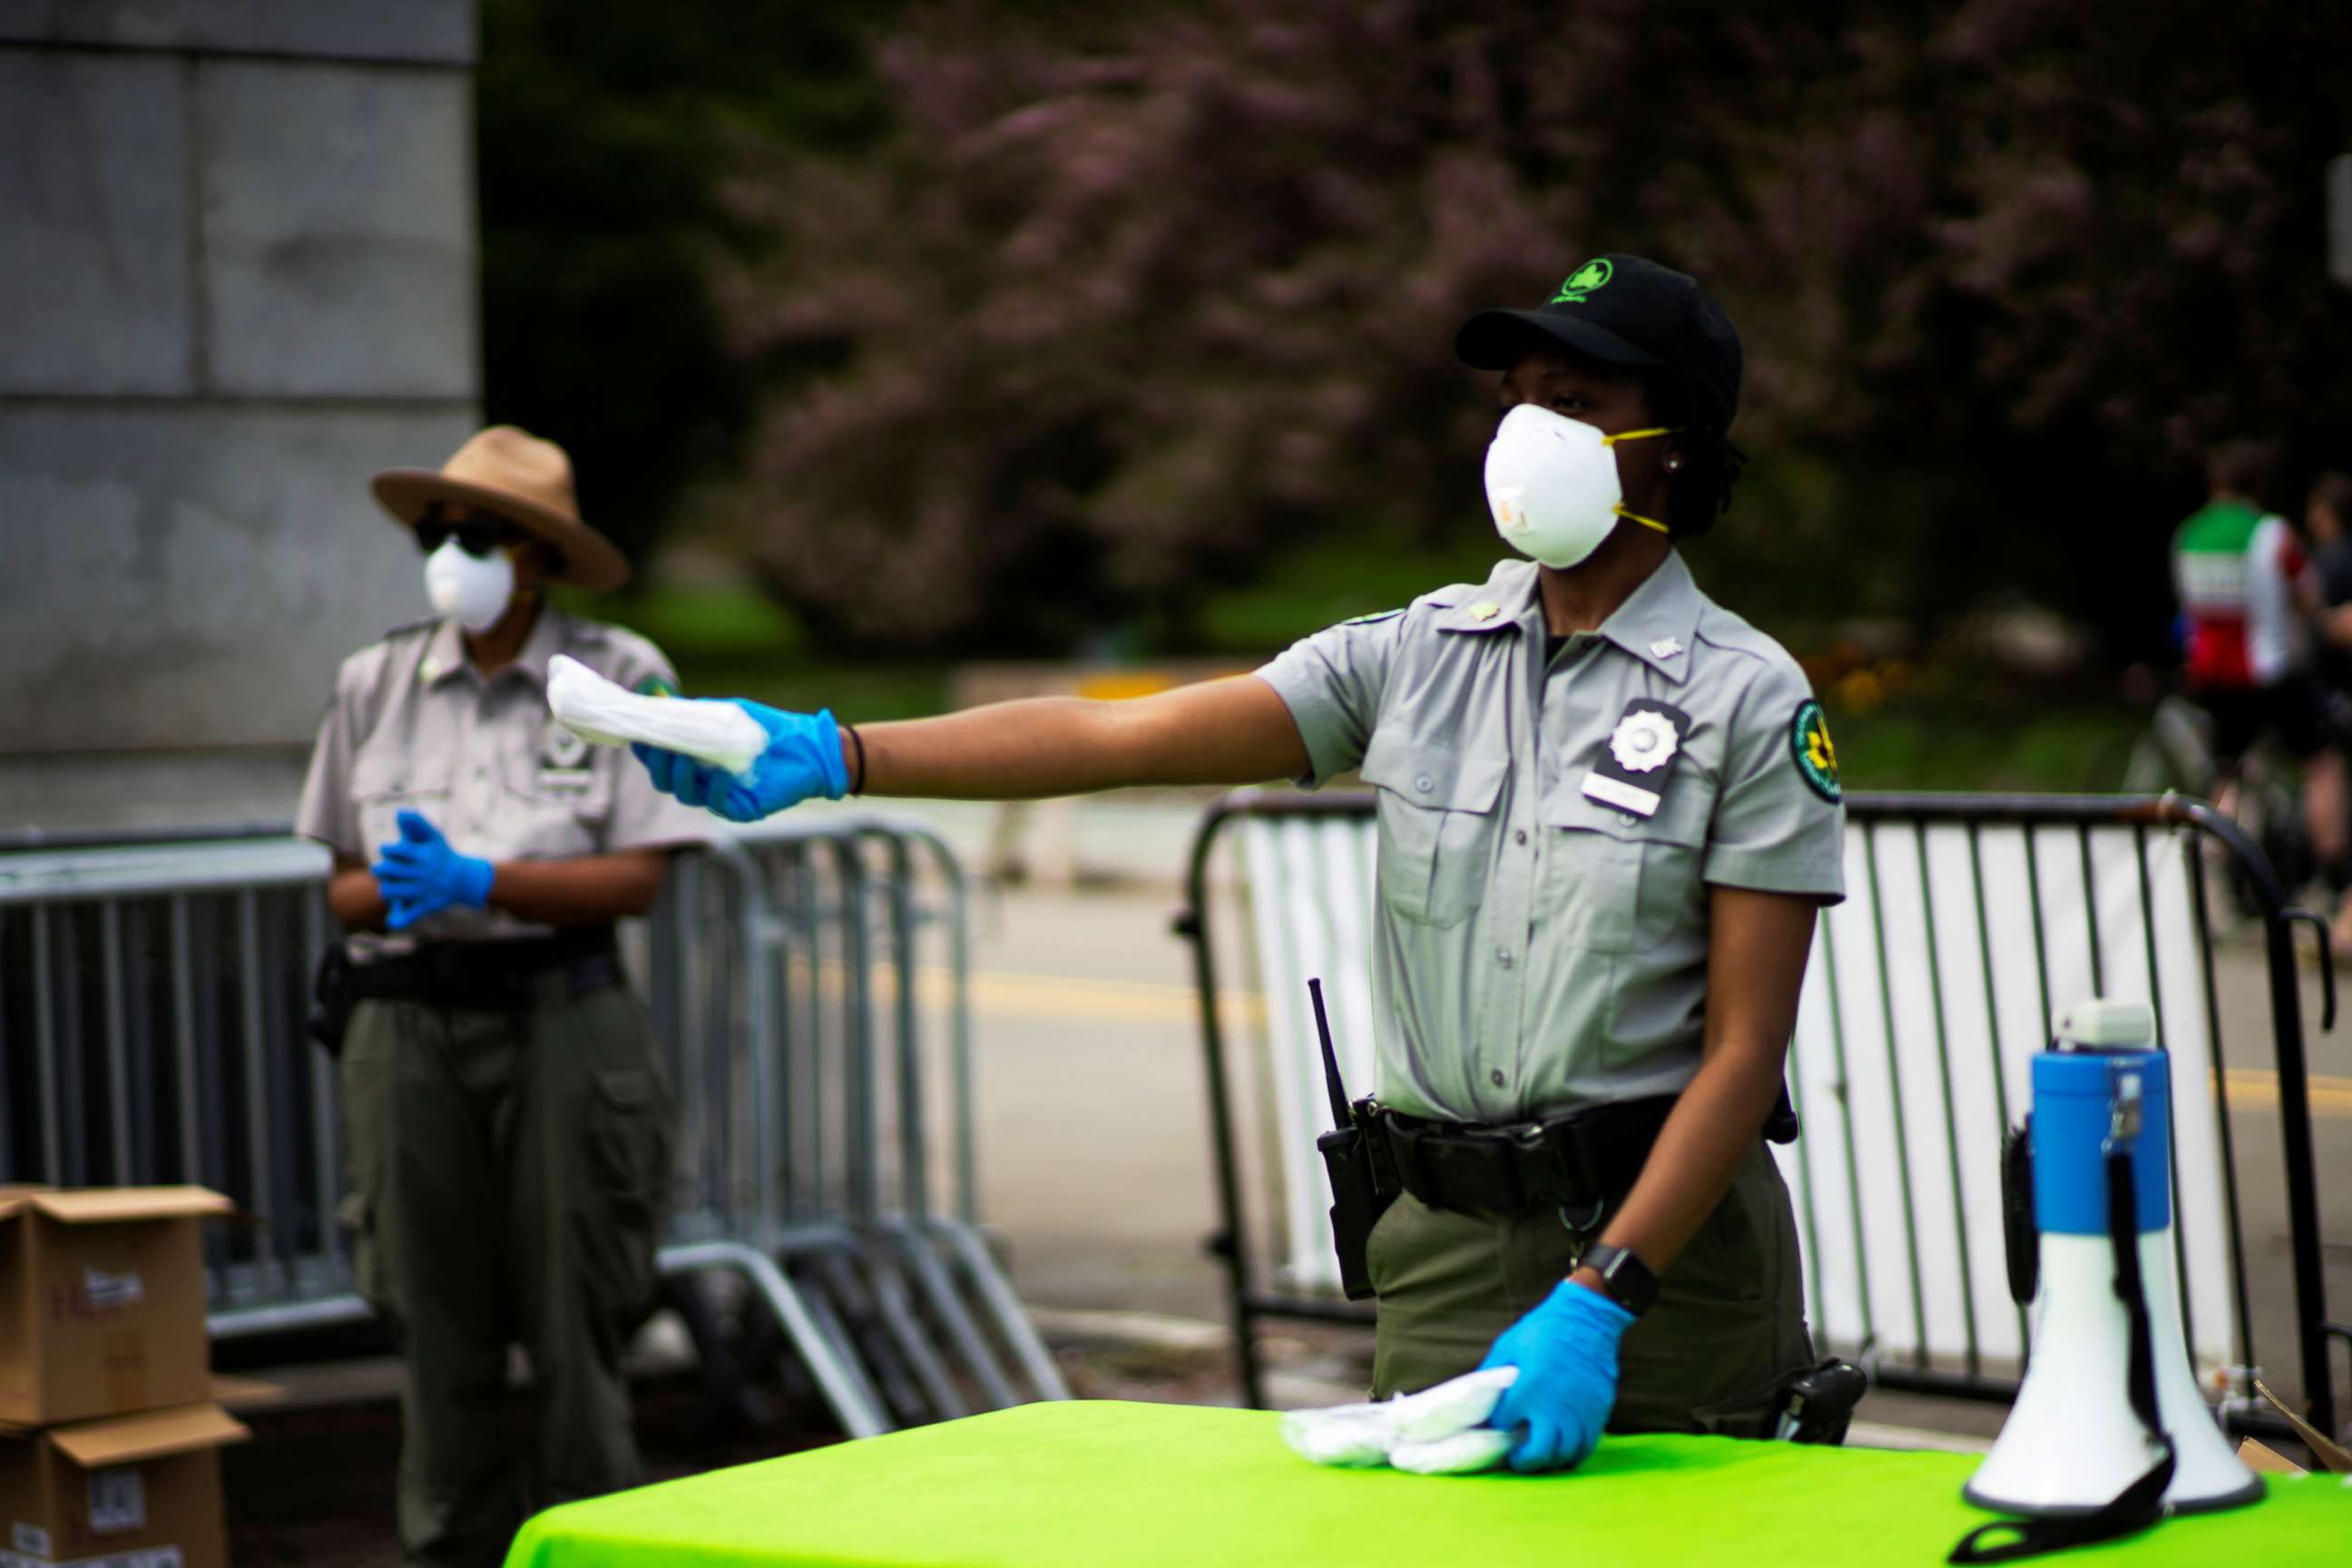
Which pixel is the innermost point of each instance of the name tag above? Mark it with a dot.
(564, 764)
(565, 781)
(1632, 771)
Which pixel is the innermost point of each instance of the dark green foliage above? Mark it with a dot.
(606, 132)
(1121, 306)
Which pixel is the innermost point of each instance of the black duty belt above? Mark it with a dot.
(490, 973)
(1583, 1161)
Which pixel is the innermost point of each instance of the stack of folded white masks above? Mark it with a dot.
(1441, 1431)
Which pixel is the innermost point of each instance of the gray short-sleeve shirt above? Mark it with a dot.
(414, 725)
(1538, 949)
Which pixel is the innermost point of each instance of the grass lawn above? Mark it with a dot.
(2065, 750)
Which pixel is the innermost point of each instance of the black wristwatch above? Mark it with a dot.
(1625, 1278)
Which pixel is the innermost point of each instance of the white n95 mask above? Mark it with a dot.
(1551, 483)
(473, 590)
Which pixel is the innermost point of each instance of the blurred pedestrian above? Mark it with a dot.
(2328, 524)
(508, 1120)
(2326, 518)
(2249, 591)
(1609, 817)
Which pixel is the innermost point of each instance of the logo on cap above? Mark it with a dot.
(1593, 274)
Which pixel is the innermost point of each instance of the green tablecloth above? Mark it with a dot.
(1093, 1484)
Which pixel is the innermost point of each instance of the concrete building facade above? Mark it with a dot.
(237, 275)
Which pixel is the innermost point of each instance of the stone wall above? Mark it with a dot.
(238, 240)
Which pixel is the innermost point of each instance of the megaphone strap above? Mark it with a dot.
(2140, 1504)
(2020, 1237)
(2135, 1509)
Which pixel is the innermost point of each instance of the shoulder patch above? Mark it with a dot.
(1809, 741)
(654, 685)
(1373, 620)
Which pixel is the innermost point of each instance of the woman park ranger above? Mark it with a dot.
(1609, 812)
(507, 1115)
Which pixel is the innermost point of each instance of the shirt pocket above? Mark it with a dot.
(1437, 826)
(384, 785)
(553, 813)
(1620, 882)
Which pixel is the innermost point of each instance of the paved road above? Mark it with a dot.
(1093, 1129)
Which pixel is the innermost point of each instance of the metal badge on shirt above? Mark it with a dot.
(563, 763)
(1632, 771)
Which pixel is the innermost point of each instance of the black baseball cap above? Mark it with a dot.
(1622, 310)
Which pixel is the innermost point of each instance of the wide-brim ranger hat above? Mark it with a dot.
(1622, 310)
(512, 474)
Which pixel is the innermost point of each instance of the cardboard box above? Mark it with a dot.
(2333, 1455)
(128, 1491)
(102, 1301)
(2261, 1457)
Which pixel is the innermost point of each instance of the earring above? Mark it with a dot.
(1673, 465)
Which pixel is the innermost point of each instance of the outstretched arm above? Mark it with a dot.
(1235, 730)
(1222, 731)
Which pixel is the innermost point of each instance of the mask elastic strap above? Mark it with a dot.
(1637, 436)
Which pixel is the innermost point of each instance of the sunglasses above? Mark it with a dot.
(477, 536)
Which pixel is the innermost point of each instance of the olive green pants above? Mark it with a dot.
(508, 1170)
(1729, 1317)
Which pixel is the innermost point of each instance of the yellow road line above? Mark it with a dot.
(2257, 1089)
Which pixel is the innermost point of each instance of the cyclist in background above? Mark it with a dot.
(2248, 591)
(2327, 514)
(2328, 524)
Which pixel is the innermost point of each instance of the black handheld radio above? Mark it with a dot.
(1358, 1196)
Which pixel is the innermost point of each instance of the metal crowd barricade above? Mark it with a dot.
(151, 1003)
(886, 1239)
(148, 995)
(1967, 920)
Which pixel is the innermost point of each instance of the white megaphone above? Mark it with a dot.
(2108, 1429)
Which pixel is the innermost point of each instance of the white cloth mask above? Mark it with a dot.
(604, 714)
(1551, 483)
(1440, 1431)
(473, 590)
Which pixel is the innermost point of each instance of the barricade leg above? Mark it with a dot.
(939, 1292)
(851, 1403)
(1003, 1305)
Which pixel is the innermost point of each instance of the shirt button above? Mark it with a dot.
(1495, 1077)
(1503, 957)
(1523, 835)
(1424, 783)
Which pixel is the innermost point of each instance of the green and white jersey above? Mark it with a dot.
(2235, 567)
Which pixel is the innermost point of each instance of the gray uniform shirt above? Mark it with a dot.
(1538, 950)
(415, 726)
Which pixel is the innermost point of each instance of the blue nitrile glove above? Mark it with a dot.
(421, 875)
(1566, 1350)
(803, 759)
